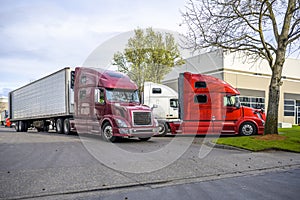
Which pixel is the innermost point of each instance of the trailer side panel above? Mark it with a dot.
(46, 97)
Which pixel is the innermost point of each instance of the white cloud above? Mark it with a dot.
(39, 37)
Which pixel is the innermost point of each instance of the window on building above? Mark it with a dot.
(298, 111)
(201, 98)
(253, 102)
(289, 107)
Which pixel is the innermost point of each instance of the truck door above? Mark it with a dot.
(82, 110)
(232, 114)
(99, 103)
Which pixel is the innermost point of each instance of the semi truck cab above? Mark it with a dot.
(108, 101)
(164, 101)
(211, 106)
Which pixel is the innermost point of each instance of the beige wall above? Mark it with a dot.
(247, 81)
(238, 61)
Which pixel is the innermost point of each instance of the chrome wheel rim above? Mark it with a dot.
(161, 129)
(108, 132)
(247, 129)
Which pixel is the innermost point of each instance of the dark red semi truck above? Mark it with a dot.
(85, 100)
(208, 105)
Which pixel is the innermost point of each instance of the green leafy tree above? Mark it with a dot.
(148, 56)
(269, 29)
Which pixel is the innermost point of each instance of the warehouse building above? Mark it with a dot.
(250, 77)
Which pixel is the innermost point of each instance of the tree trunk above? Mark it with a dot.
(271, 126)
(272, 114)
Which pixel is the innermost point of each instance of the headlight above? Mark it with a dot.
(121, 123)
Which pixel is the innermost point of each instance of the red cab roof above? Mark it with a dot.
(106, 78)
(205, 83)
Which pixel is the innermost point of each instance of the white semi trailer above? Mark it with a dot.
(164, 101)
(41, 102)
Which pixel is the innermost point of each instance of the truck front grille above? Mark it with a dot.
(142, 118)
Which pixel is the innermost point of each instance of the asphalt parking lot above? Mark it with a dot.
(51, 166)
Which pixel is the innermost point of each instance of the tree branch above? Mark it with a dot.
(262, 38)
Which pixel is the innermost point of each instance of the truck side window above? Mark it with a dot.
(173, 103)
(99, 96)
(156, 90)
(228, 101)
(83, 79)
(200, 98)
(82, 94)
(232, 101)
(200, 84)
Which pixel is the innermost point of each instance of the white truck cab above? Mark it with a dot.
(164, 101)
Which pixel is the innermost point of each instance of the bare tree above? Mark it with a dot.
(269, 29)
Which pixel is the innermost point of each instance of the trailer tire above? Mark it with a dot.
(247, 129)
(59, 126)
(46, 128)
(107, 133)
(67, 127)
(17, 127)
(21, 126)
(163, 129)
(25, 126)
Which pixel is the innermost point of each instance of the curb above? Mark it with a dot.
(221, 146)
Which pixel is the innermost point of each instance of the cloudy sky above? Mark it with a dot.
(40, 37)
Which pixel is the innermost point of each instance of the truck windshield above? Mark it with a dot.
(122, 96)
(231, 101)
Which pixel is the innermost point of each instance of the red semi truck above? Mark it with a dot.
(208, 105)
(85, 100)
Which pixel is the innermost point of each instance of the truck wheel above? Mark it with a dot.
(145, 139)
(107, 133)
(67, 127)
(247, 129)
(59, 126)
(17, 126)
(163, 129)
(21, 126)
(26, 124)
(46, 128)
